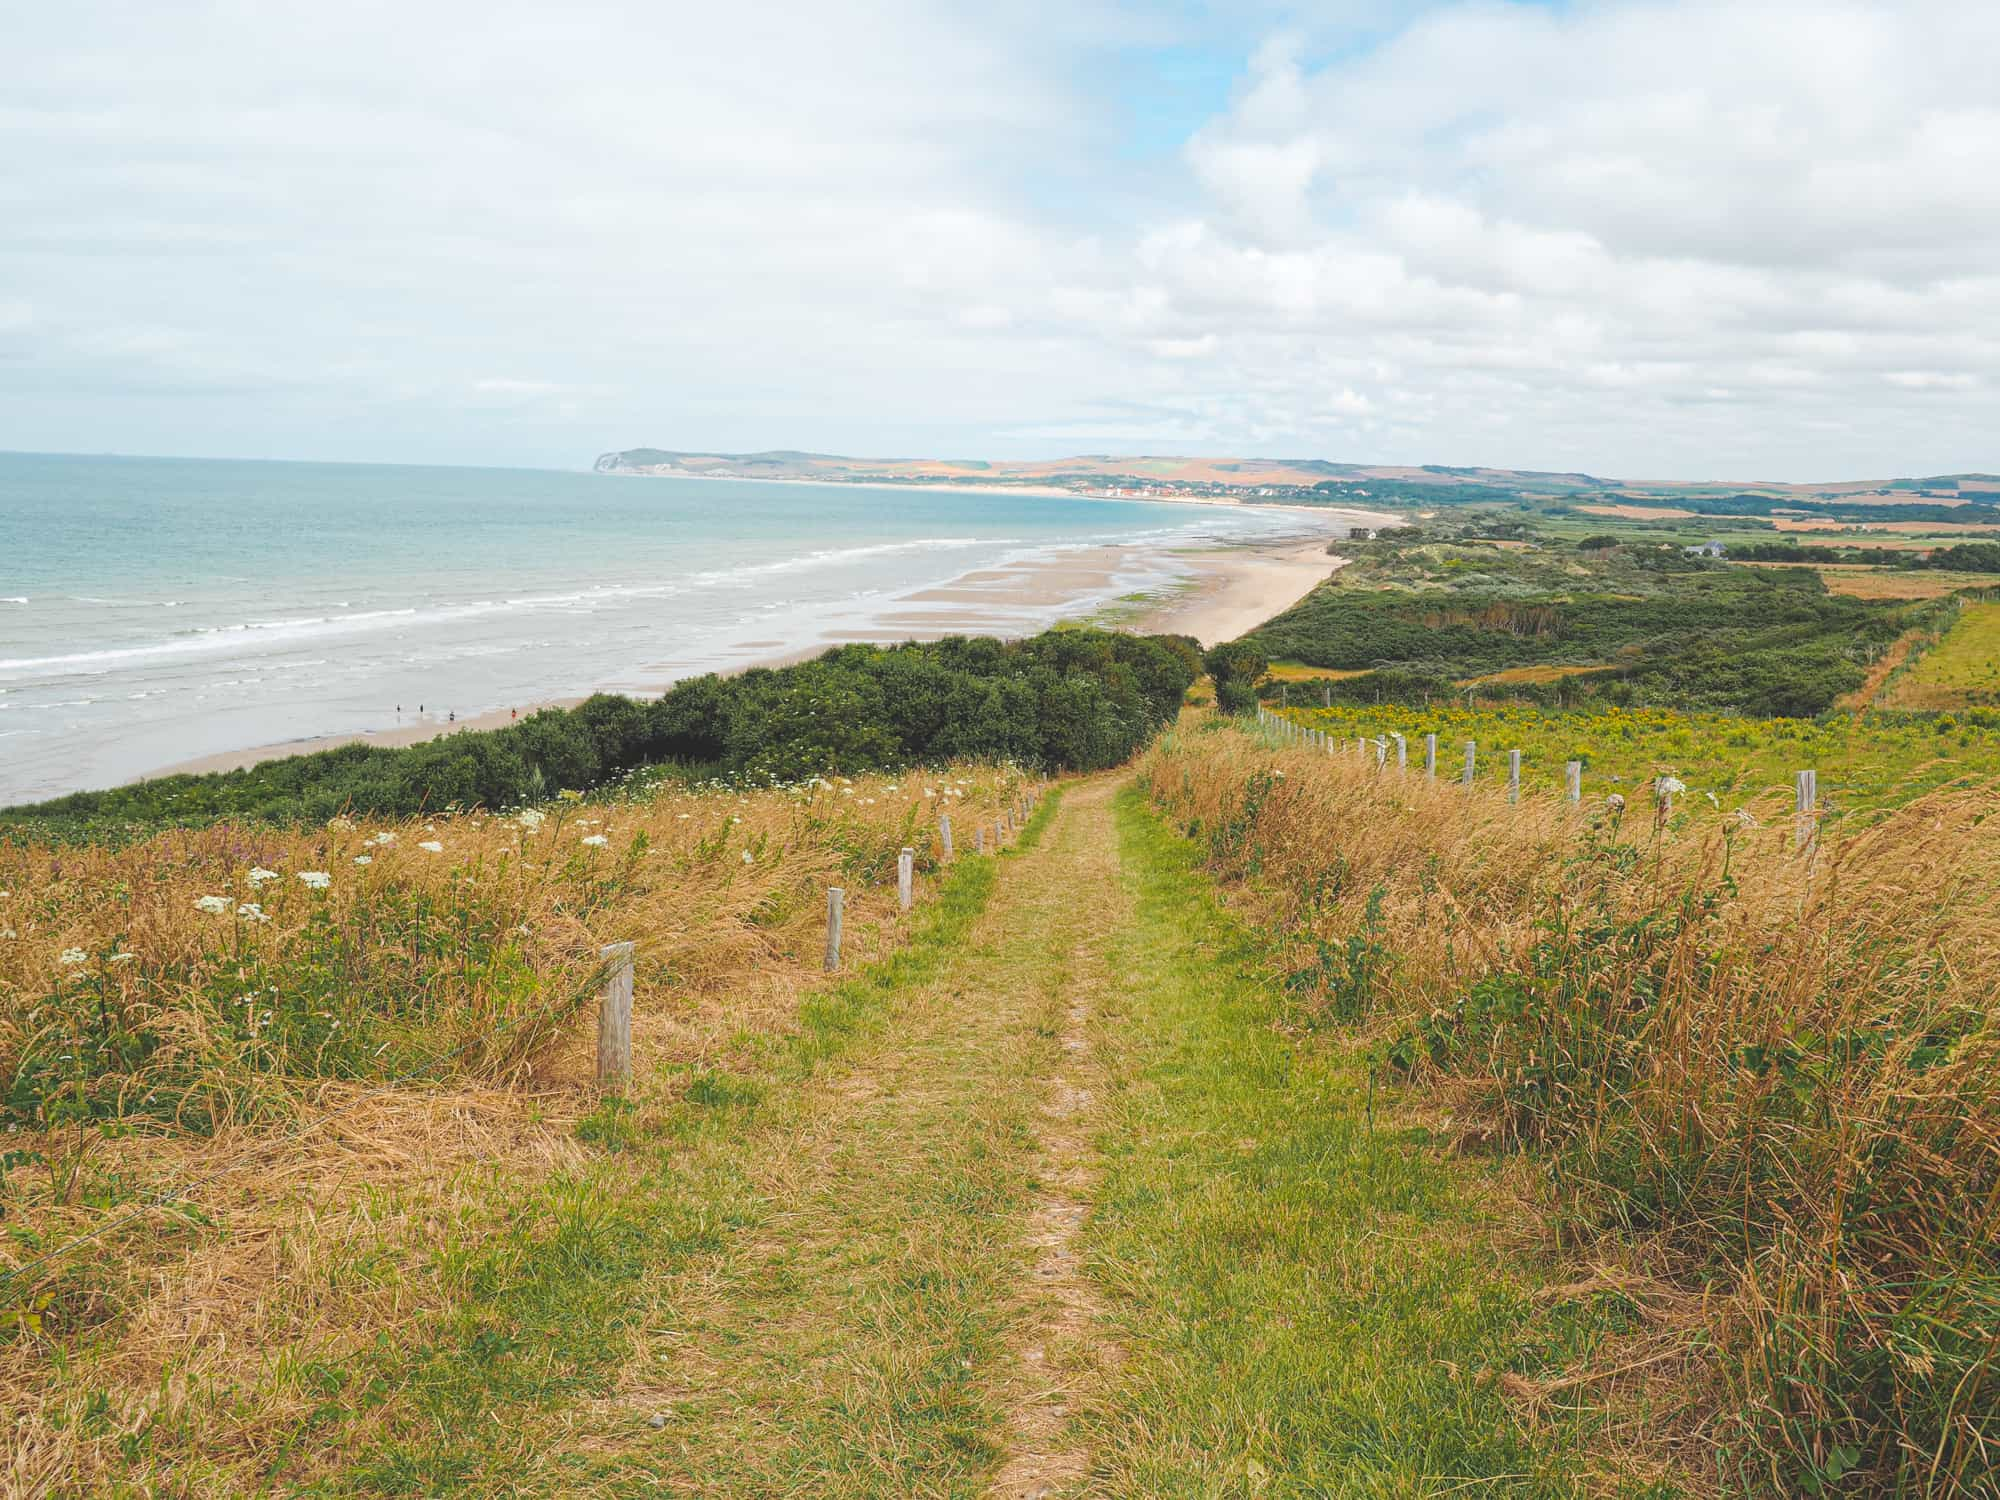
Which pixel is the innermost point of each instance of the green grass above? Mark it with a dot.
(1312, 1299)
(1865, 761)
(1961, 670)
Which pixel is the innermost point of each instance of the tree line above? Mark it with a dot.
(1067, 700)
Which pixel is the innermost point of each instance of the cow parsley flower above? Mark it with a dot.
(364, 859)
(431, 846)
(250, 911)
(1668, 786)
(71, 957)
(317, 880)
(258, 875)
(749, 858)
(595, 840)
(213, 905)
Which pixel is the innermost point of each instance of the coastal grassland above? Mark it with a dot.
(1866, 761)
(1632, 623)
(1864, 582)
(299, 1122)
(1071, 699)
(1761, 1080)
(1961, 670)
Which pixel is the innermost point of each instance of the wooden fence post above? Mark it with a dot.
(1402, 752)
(944, 833)
(835, 896)
(1431, 756)
(614, 1018)
(1573, 780)
(1381, 754)
(1513, 776)
(906, 867)
(1471, 752)
(979, 839)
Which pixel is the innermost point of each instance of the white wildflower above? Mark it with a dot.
(120, 958)
(1744, 819)
(431, 846)
(749, 858)
(383, 839)
(364, 859)
(340, 825)
(317, 880)
(71, 957)
(531, 819)
(213, 905)
(1616, 802)
(258, 875)
(1668, 786)
(595, 840)
(250, 911)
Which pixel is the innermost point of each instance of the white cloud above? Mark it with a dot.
(1661, 236)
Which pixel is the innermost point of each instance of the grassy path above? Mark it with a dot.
(1055, 1212)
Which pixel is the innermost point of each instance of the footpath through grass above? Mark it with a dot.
(1312, 1299)
(1042, 1205)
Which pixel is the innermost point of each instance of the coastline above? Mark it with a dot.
(975, 487)
(1222, 591)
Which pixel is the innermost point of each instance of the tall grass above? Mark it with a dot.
(227, 1054)
(1777, 1068)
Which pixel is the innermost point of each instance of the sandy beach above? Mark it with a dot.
(1215, 594)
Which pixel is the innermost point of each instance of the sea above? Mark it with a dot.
(158, 610)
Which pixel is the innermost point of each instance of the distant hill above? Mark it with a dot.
(1311, 480)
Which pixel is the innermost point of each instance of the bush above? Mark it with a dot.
(1068, 700)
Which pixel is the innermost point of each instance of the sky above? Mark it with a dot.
(1644, 238)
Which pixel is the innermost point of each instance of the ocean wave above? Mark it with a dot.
(278, 634)
(15, 599)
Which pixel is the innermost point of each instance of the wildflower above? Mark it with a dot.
(71, 957)
(531, 819)
(213, 905)
(748, 857)
(595, 840)
(1667, 786)
(1616, 802)
(1744, 819)
(340, 825)
(317, 880)
(431, 846)
(120, 958)
(364, 859)
(250, 911)
(383, 839)
(258, 875)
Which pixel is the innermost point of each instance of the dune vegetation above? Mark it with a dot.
(1758, 1077)
(1073, 699)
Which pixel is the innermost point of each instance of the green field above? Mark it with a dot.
(1864, 761)
(1963, 669)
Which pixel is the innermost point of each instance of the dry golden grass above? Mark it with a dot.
(1293, 671)
(1865, 582)
(227, 1167)
(1781, 1067)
